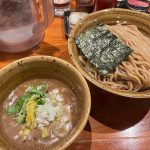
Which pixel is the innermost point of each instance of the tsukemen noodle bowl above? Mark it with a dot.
(44, 104)
(111, 48)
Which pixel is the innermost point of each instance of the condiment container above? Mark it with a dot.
(60, 6)
(139, 5)
(85, 5)
(104, 4)
(120, 3)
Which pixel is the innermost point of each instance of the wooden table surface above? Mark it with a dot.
(115, 123)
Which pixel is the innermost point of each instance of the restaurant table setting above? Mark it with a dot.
(75, 75)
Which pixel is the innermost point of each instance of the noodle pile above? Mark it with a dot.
(133, 74)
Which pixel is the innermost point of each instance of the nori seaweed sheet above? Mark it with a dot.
(102, 48)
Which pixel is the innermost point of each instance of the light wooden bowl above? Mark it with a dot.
(45, 67)
(108, 16)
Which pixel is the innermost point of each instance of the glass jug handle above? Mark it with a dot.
(48, 11)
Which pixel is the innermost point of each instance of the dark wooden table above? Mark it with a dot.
(115, 123)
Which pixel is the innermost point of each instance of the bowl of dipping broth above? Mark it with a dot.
(45, 104)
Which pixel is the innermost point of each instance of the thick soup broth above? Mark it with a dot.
(34, 133)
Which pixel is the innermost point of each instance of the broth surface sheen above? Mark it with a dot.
(57, 129)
